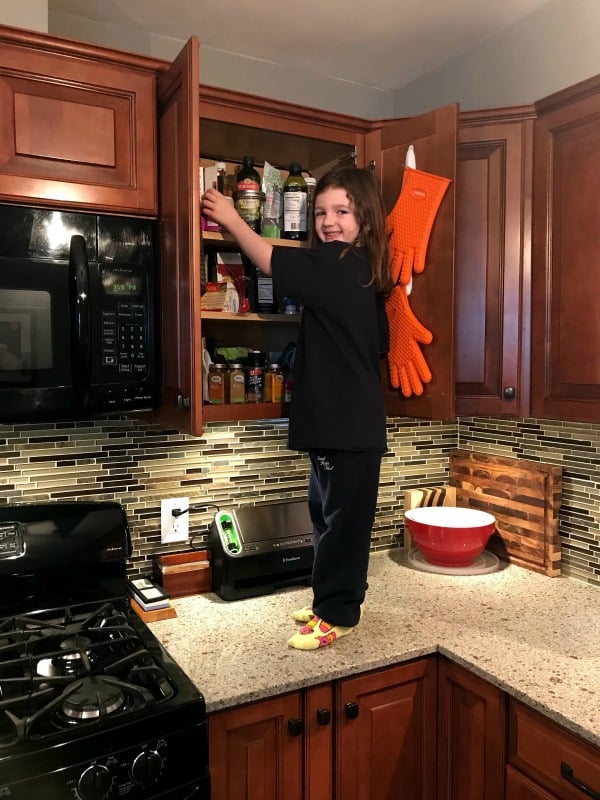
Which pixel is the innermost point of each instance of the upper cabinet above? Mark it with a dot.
(78, 125)
(434, 138)
(221, 124)
(492, 262)
(566, 255)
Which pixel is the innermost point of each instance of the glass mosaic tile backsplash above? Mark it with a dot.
(236, 464)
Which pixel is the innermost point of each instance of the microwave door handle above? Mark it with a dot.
(78, 265)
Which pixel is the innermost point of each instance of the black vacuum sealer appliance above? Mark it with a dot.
(259, 549)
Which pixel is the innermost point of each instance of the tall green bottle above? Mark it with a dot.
(295, 197)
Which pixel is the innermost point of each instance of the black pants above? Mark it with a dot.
(342, 499)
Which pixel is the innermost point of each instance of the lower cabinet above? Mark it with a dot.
(471, 736)
(372, 736)
(423, 730)
(546, 762)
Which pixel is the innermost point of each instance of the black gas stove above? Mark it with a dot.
(91, 705)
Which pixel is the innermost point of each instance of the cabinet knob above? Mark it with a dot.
(295, 726)
(351, 710)
(323, 716)
(509, 393)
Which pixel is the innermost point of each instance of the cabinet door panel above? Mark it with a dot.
(76, 130)
(180, 243)
(318, 762)
(493, 223)
(471, 734)
(518, 787)
(387, 750)
(252, 754)
(434, 137)
(566, 252)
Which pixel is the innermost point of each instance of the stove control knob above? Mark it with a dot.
(95, 783)
(145, 769)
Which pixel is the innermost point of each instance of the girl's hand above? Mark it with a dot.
(257, 249)
(214, 205)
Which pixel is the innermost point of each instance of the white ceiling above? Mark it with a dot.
(384, 43)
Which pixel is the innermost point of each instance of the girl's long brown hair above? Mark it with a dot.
(361, 187)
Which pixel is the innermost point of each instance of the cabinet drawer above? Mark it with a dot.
(541, 749)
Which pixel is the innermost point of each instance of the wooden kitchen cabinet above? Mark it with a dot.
(371, 736)
(471, 736)
(78, 125)
(256, 750)
(221, 124)
(565, 255)
(546, 762)
(493, 263)
(386, 734)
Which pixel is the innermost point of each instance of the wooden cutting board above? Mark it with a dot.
(525, 498)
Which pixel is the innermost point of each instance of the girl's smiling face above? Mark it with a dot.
(335, 217)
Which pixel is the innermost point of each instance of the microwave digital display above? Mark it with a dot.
(115, 283)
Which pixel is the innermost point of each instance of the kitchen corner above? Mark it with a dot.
(533, 636)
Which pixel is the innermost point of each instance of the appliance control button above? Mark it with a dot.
(94, 783)
(146, 767)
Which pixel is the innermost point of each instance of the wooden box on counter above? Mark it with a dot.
(183, 574)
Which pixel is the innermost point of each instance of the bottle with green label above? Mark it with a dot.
(248, 197)
(295, 200)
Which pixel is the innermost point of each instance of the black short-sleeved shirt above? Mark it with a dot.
(337, 400)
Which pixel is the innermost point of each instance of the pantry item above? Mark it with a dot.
(311, 185)
(273, 384)
(295, 197)
(255, 377)
(216, 383)
(448, 536)
(247, 177)
(236, 379)
(249, 206)
(248, 196)
(272, 186)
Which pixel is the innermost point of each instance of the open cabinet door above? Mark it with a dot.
(179, 212)
(434, 138)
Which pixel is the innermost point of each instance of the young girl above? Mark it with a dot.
(337, 413)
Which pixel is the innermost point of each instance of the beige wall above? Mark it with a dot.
(554, 47)
(29, 14)
(549, 50)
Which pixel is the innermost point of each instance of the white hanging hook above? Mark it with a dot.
(410, 160)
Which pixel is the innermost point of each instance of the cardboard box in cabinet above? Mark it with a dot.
(183, 574)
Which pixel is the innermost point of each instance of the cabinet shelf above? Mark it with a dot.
(219, 237)
(236, 411)
(226, 316)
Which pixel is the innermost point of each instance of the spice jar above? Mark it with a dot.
(216, 383)
(273, 384)
(236, 380)
(255, 377)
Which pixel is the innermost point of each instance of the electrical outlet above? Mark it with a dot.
(174, 529)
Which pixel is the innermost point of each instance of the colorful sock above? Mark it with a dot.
(303, 614)
(317, 633)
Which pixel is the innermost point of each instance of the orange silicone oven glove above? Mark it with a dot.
(408, 368)
(410, 221)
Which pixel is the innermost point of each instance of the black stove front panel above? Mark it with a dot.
(127, 761)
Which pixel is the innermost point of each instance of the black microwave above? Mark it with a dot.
(77, 314)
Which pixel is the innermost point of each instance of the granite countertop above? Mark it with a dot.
(538, 638)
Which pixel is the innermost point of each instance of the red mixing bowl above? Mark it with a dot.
(449, 536)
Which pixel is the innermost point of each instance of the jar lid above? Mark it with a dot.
(217, 365)
(236, 365)
(274, 366)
